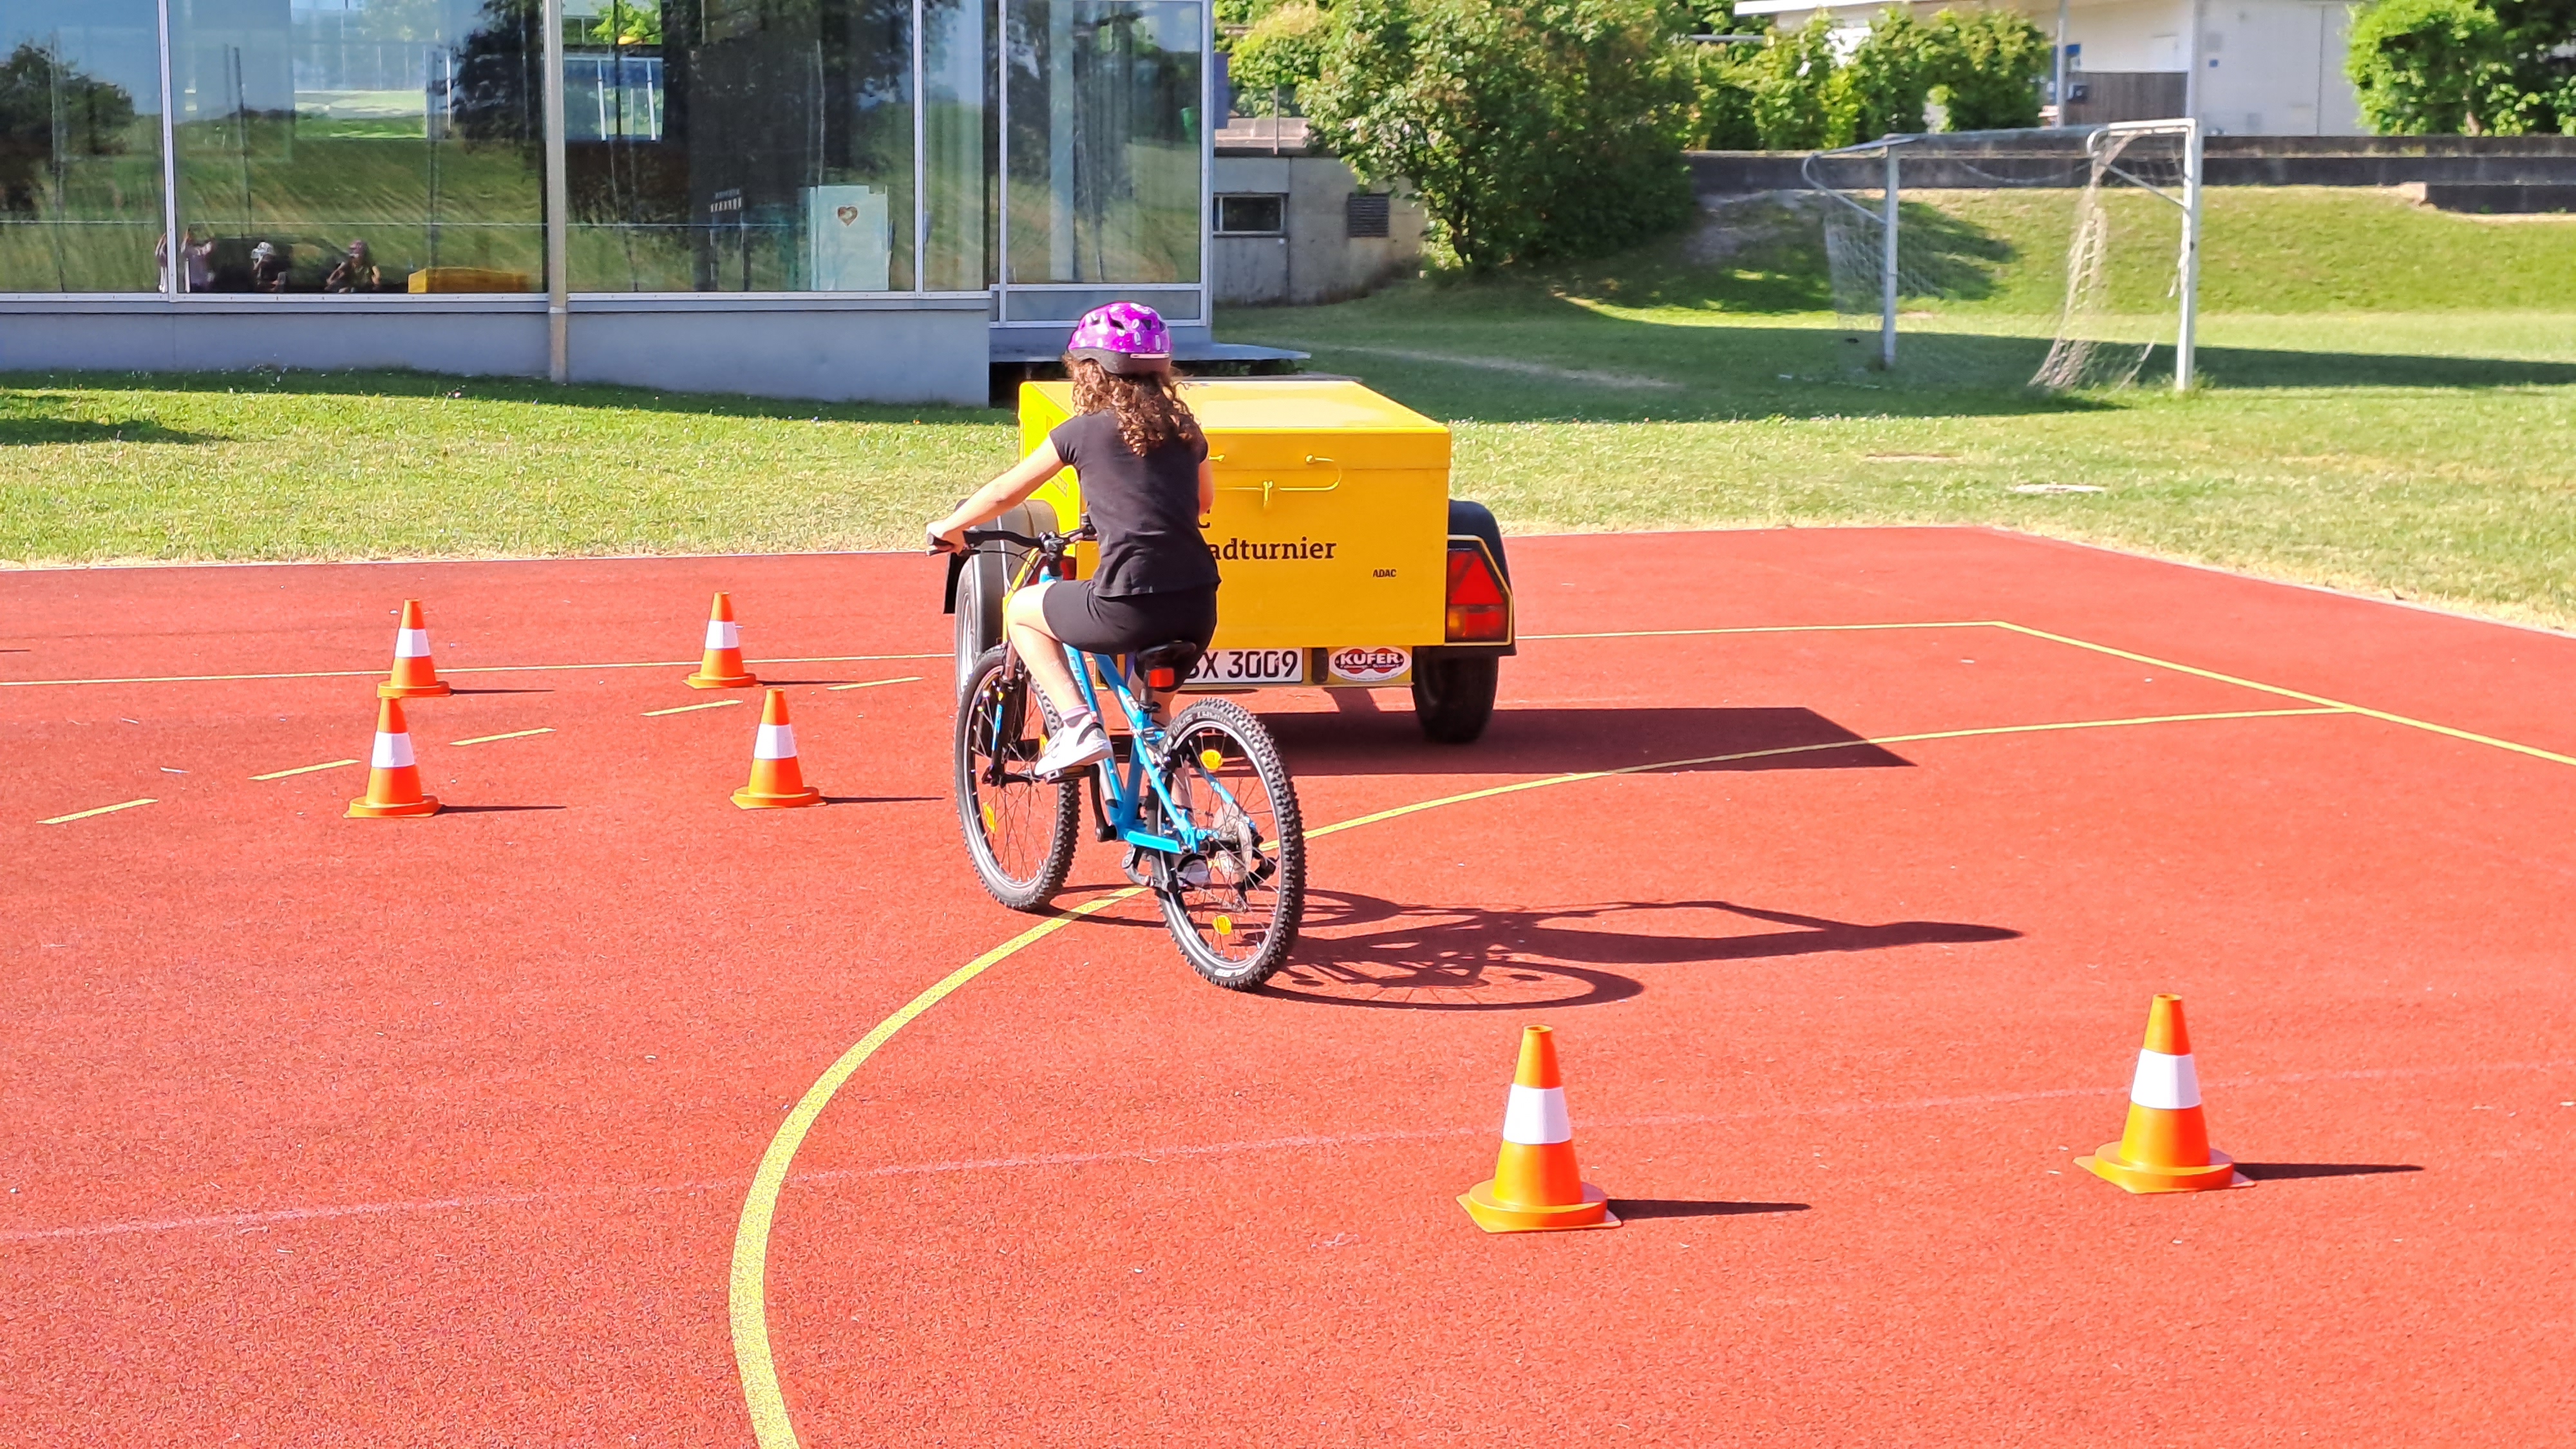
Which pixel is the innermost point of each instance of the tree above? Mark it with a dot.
(1987, 67)
(2458, 67)
(49, 113)
(1528, 128)
(1283, 51)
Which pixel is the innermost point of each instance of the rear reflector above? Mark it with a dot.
(1480, 612)
(1165, 678)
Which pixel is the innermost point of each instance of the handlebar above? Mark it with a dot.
(1052, 545)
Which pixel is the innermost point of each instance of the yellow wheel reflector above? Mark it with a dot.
(1213, 759)
(989, 822)
(1225, 925)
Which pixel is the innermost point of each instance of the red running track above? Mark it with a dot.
(327, 1131)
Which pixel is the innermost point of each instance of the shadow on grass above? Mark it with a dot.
(32, 421)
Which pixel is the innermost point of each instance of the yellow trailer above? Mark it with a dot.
(1345, 564)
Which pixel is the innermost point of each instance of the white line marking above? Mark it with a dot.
(687, 708)
(873, 683)
(1217, 1149)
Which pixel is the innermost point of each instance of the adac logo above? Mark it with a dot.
(1365, 664)
(1304, 548)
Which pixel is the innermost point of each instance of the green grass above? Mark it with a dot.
(2394, 410)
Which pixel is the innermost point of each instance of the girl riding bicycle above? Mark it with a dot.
(1143, 466)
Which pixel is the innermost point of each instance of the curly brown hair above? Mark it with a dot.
(1149, 408)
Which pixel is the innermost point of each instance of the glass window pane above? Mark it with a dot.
(1105, 155)
(80, 145)
(740, 145)
(350, 146)
(956, 133)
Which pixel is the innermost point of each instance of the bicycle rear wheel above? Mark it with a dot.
(1019, 829)
(1235, 903)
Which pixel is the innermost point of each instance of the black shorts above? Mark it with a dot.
(1107, 624)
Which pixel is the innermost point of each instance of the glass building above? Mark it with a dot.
(812, 198)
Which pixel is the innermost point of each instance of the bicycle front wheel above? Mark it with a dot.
(1234, 902)
(1019, 829)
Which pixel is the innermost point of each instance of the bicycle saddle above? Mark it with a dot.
(1166, 665)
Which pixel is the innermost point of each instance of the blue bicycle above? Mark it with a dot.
(1202, 802)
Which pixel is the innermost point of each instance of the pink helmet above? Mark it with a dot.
(1124, 337)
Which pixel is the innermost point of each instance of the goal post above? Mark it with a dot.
(2120, 299)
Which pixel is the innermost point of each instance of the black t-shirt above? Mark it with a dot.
(1146, 508)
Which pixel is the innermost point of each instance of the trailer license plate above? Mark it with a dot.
(1250, 666)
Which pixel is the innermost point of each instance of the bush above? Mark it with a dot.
(1722, 99)
(1545, 128)
(1890, 77)
(2455, 67)
(1987, 66)
(1796, 104)
(1282, 52)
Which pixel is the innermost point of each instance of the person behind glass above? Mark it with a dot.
(267, 268)
(1143, 466)
(200, 257)
(356, 272)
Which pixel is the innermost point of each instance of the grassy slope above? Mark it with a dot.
(2430, 450)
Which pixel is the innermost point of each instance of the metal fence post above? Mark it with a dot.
(558, 202)
(1887, 269)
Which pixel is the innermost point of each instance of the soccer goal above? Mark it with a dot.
(1926, 290)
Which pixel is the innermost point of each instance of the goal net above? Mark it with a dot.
(2056, 259)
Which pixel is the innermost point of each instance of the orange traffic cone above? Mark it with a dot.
(414, 676)
(393, 781)
(722, 666)
(1536, 1186)
(776, 782)
(2165, 1147)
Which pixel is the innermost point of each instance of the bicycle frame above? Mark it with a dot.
(1122, 800)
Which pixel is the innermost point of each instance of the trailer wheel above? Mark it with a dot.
(1453, 698)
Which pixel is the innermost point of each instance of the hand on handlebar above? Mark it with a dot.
(951, 540)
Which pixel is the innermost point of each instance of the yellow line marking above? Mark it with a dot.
(748, 1300)
(464, 669)
(488, 739)
(2382, 715)
(686, 708)
(750, 1296)
(102, 810)
(873, 683)
(303, 770)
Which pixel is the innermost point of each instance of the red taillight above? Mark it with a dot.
(1163, 678)
(1479, 610)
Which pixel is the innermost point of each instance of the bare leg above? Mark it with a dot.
(1027, 623)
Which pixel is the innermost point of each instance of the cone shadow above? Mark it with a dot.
(453, 691)
(494, 809)
(1630, 1209)
(2270, 1171)
(879, 799)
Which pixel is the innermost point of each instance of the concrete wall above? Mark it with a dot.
(1315, 261)
(842, 350)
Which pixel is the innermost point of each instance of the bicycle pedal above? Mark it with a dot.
(1134, 866)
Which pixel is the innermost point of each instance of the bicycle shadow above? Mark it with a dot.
(1463, 958)
(1556, 740)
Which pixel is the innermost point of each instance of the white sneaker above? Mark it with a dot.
(1084, 744)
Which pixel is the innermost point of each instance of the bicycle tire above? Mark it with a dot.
(1019, 831)
(1238, 920)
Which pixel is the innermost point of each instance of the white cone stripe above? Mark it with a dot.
(776, 742)
(392, 752)
(411, 643)
(1536, 1116)
(723, 634)
(2171, 1083)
